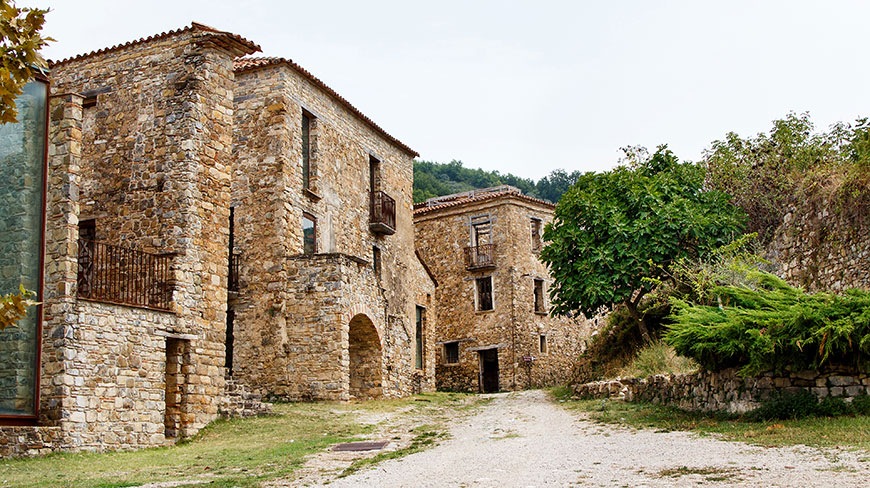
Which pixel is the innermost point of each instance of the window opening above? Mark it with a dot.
(451, 352)
(376, 261)
(484, 293)
(309, 234)
(536, 234)
(306, 151)
(481, 231)
(421, 317)
(539, 296)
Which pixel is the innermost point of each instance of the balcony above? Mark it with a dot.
(382, 213)
(480, 257)
(123, 276)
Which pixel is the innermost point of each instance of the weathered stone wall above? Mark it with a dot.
(155, 173)
(513, 326)
(305, 329)
(822, 250)
(115, 364)
(29, 440)
(150, 160)
(725, 391)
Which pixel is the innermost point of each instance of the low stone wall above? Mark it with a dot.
(18, 441)
(725, 391)
(239, 402)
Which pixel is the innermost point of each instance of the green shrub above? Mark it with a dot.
(786, 406)
(772, 326)
(834, 407)
(861, 404)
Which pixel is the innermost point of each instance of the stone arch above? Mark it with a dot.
(364, 349)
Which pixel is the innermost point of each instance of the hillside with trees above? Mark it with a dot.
(433, 179)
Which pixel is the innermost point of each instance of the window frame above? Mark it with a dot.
(476, 224)
(446, 355)
(377, 261)
(478, 294)
(540, 301)
(543, 344)
(420, 346)
(305, 134)
(313, 220)
(537, 233)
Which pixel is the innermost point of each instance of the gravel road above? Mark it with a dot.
(524, 439)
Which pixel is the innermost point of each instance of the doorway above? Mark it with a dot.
(489, 370)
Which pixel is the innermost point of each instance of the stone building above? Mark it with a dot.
(333, 302)
(493, 328)
(174, 206)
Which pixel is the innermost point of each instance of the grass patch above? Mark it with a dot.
(709, 473)
(845, 431)
(426, 436)
(658, 358)
(228, 453)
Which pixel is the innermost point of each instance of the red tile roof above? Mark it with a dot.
(247, 64)
(421, 208)
(222, 38)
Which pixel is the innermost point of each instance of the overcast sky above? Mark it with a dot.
(528, 87)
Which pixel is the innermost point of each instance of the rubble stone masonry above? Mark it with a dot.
(822, 250)
(140, 141)
(534, 348)
(295, 314)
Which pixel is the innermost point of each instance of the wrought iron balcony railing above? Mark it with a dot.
(479, 257)
(382, 213)
(123, 276)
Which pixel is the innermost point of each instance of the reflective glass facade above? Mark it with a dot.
(22, 163)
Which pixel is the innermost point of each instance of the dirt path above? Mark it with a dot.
(523, 439)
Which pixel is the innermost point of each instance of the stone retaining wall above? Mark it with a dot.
(29, 440)
(725, 391)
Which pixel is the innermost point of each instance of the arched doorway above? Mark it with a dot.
(364, 347)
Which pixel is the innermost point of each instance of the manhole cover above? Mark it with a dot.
(361, 446)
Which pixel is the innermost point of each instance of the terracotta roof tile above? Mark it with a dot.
(247, 64)
(420, 208)
(231, 40)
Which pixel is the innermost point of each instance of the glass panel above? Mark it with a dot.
(306, 152)
(309, 238)
(22, 147)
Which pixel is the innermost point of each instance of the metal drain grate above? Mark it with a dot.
(361, 446)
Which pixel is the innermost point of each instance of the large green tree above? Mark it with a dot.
(613, 229)
(20, 42)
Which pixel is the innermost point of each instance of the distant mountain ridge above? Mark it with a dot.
(433, 179)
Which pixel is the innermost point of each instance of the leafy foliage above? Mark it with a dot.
(694, 279)
(792, 165)
(613, 229)
(435, 179)
(20, 42)
(771, 326)
(13, 307)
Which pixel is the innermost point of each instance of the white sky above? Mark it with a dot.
(528, 87)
